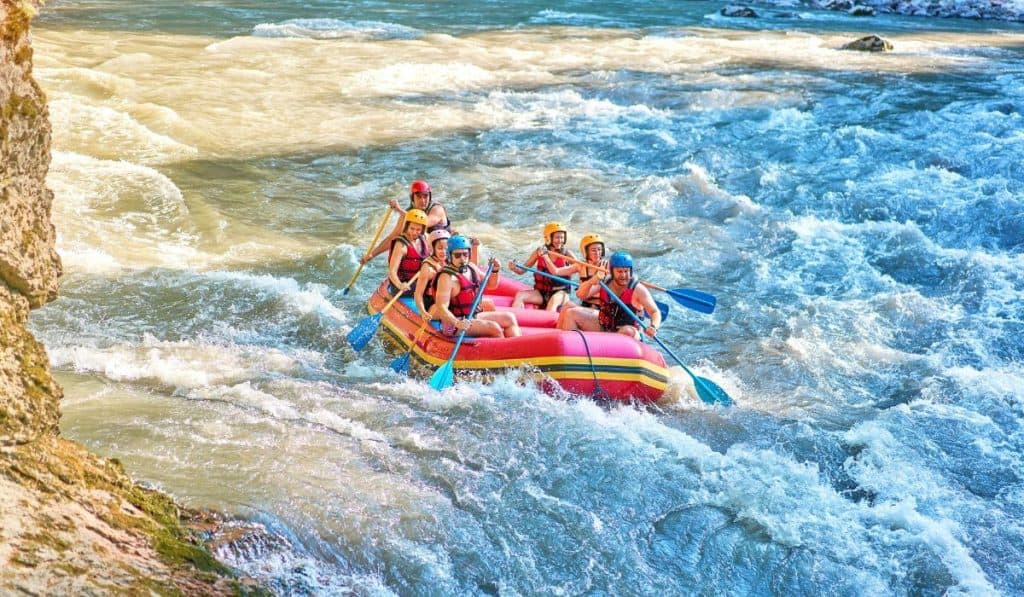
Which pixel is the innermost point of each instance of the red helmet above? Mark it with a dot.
(419, 186)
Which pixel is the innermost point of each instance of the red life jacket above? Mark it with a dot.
(414, 256)
(611, 316)
(431, 290)
(544, 284)
(460, 303)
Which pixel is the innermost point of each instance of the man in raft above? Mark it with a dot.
(456, 286)
(610, 317)
(421, 198)
(546, 293)
(408, 251)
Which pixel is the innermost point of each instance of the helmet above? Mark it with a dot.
(415, 216)
(457, 243)
(589, 239)
(419, 186)
(437, 235)
(552, 227)
(620, 259)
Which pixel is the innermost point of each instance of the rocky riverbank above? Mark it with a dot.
(70, 522)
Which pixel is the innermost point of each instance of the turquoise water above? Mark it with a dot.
(220, 167)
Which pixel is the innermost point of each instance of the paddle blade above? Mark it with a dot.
(694, 299)
(401, 364)
(443, 377)
(663, 307)
(345, 292)
(360, 335)
(710, 392)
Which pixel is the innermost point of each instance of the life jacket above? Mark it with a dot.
(461, 303)
(595, 302)
(430, 292)
(447, 225)
(415, 253)
(544, 284)
(611, 316)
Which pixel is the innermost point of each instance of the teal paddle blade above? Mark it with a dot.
(443, 377)
(709, 391)
(360, 335)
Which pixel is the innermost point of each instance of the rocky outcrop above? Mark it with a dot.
(733, 10)
(70, 522)
(1006, 10)
(870, 43)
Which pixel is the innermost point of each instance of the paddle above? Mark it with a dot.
(373, 243)
(663, 307)
(401, 364)
(687, 297)
(365, 329)
(708, 391)
(442, 378)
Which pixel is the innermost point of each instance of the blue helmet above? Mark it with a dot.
(456, 243)
(618, 259)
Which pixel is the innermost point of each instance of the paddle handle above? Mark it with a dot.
(398, 295)
(549, 275)
(373, 243)
(602, 270)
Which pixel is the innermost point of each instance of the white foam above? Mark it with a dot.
(336, 29)
(181, 365)
(428, 78)
(109, 133)
(308, 298)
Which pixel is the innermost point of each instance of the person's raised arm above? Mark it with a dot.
(589, 288)
(386, 243)
(642, 299)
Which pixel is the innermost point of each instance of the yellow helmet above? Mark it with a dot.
(551, 228)
(415, 216)
(589, 239)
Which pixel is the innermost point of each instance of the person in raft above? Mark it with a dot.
(546, 293)
(408, 251)
(455, 288)
(421, 198)
(592, 247)
(610, 317)
(424, 295)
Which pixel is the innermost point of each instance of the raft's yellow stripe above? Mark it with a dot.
(653, 378)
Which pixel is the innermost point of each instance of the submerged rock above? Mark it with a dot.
(734, 10)
(871, 43)
(859, 10)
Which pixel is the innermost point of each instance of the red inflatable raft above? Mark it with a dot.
(598, 364)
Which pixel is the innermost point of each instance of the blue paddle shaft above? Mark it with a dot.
(442, 373)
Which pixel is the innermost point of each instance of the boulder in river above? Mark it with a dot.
(871, 43)
(734, 10)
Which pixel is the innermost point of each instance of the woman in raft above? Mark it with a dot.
(408, 251)
(424, 295)
(455, 289)
(420, 198)
(546, 293)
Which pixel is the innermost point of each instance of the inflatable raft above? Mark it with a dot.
(598, 364)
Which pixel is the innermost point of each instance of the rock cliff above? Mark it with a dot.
(70, 522)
